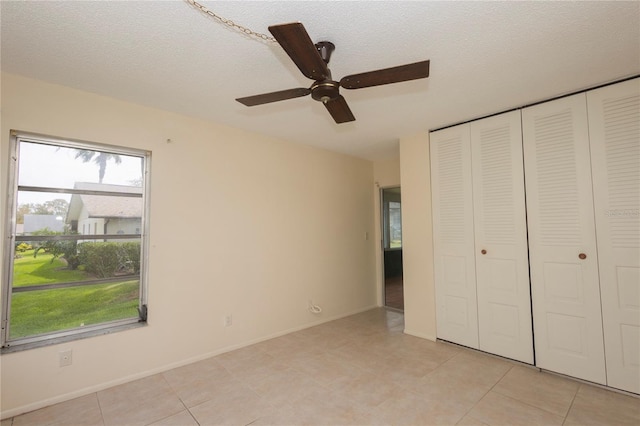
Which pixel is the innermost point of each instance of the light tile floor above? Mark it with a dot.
(360, 370)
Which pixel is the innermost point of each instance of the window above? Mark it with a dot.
(76, 255)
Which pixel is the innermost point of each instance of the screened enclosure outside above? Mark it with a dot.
(75, 261)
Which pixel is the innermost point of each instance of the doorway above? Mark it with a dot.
(392, 247)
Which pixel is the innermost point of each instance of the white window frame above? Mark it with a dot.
(28, 342)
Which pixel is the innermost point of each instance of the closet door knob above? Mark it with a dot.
(582, 256)
(483, 251)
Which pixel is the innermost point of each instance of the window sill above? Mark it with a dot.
(30, 343)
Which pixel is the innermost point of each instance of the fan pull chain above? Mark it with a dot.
(230, 23)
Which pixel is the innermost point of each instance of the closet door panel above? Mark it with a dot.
(563, 258)
(614, 131)
(504, 302)
(454, 263)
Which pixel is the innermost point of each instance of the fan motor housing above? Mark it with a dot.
(325, 91)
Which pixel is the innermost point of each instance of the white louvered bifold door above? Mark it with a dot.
(454, 263)
(614, 131)
(564, 263)
(502, 263)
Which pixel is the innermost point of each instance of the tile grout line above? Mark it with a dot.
(100, 408)
(535, 406)
(571, 405)
(193, 417)
(486, 393)
(180, 399)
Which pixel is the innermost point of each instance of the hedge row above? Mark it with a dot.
(108, 259)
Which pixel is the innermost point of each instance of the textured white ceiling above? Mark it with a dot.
(485, 57)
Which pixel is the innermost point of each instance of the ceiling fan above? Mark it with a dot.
(312, 60)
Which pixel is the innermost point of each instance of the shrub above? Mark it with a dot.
(22, 247)
(100, 258)
(66, 249)
(69, 250)
(130, 256)
(106, 259)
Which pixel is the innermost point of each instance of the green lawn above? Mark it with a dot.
(29, 270)
(45, 311)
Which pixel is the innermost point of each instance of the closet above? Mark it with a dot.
(614, 132)
(582, 168)
(568, 264)
(479, 226)
(562, 241)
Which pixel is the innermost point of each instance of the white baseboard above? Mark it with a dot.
(421, 335)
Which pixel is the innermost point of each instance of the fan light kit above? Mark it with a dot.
(312, 60)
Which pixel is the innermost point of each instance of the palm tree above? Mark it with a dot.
(100, 158)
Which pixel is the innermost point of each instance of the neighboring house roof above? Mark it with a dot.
(38, 222)
(105, 206)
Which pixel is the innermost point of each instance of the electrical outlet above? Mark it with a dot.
(65, 358)
(228, 320)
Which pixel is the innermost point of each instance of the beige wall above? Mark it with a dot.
(241, 224)
(419, 289)
(386, 174)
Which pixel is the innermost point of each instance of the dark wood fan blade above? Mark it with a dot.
(386, 76)
(296, 42)
(339, 110)
(273, 97)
